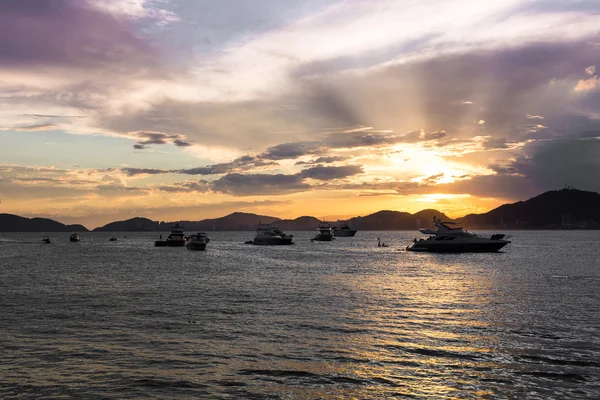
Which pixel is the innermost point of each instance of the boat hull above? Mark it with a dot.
(195, 246)
(175, 243)
(273, 241)
(349, 233)
(160, 243)
(74, 240)
(486, 247)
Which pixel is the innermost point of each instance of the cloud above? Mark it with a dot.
(143, 171)
(324, 173)
(81, 36)
(149, 138)
(187, 187)
(244, 163)
(291, 150)
(323, 160)
(31, 128)
(259, 184)
(587, 84)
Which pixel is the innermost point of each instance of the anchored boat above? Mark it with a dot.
(448, 238)
(197, 241)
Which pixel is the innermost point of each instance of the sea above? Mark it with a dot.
(324, 320)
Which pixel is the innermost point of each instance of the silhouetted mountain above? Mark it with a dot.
(566, 209)
(237, 221)
(131, 225)
(396, 220)
(14, 223)
(299, 224)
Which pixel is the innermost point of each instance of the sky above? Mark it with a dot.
(193, 109)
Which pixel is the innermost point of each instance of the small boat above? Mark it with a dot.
(343, 230)
(74, 237)
(449, 239)
(176, 238)
(197, 241)
(112, 239)
(46, 240)
(324, 233)
(266, 235)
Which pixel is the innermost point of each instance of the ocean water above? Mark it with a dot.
(340, 320)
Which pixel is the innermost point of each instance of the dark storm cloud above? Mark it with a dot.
(65, 33)
(545, 165)
(324, 173)
(556, 163)
(258, 184)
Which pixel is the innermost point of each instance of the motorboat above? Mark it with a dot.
(112, 239)
(46, 240)
(74, 237)
(449, 238)
(324, 233)
(343, 230)
(266, 235)
(176, 238)
(197, 241)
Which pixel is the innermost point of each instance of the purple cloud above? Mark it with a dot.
(66, 33)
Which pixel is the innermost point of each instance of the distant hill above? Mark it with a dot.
(130, 225)
(14, 223)
(556, 209)
(237, 221)
(382, 220)
(396, 220)
(299, 224)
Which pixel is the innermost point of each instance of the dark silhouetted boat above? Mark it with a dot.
(74, 237)
(324, 233)
(176, 238)
(343, 230)
(266, 235)
(197, 241)
(449, 239)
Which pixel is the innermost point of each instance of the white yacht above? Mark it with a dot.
(453, 239)
(266, 235)
(324, 233)
(176, 238)
(197, 241)
(343, 230)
